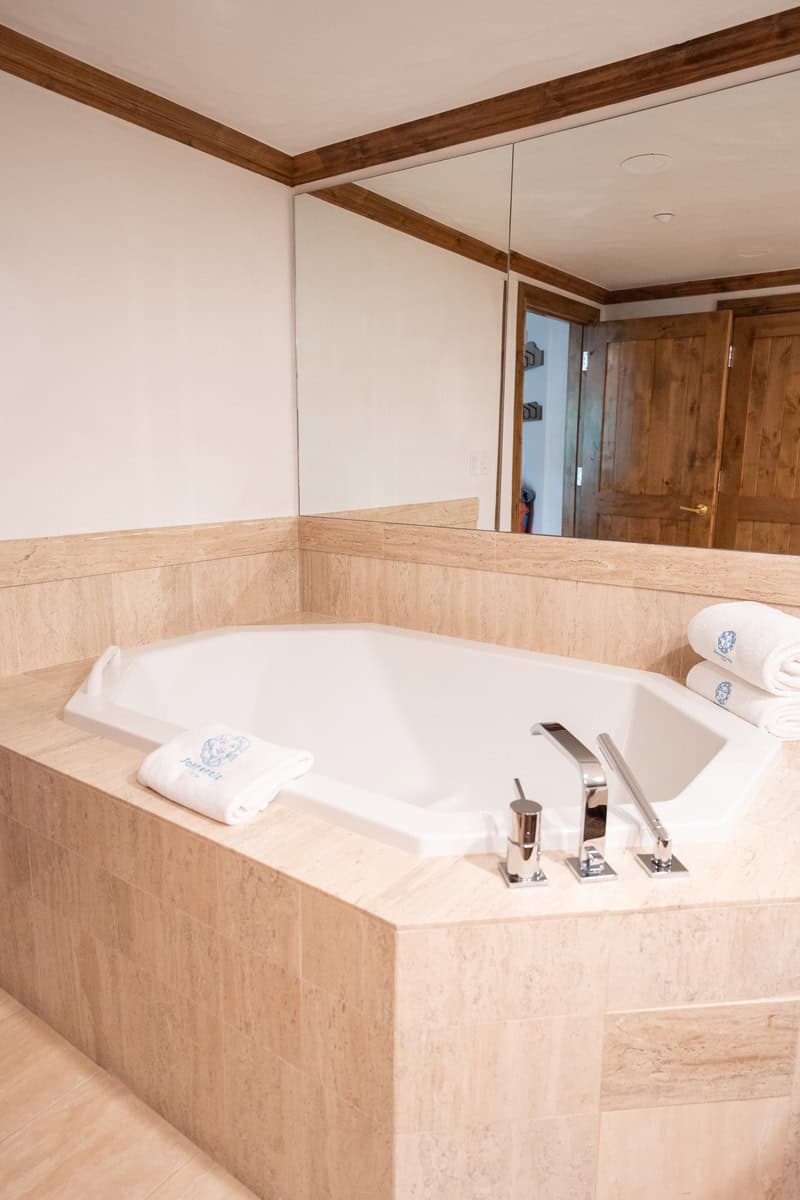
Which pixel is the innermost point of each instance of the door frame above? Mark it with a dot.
(531, 298)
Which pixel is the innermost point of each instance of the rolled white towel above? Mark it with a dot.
(778, 715)
(221, 772)
(755, 642)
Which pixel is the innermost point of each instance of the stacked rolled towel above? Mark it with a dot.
(752, 665)
(221, 772)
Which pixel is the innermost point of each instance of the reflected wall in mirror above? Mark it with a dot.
(400, 307)
(642, 287)
(672, 415)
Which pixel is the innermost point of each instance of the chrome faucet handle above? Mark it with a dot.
(662, 861)
(590, 864)
(523, 849)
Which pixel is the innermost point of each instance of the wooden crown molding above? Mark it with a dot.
(756, 306)
(766, 39)
(754, 43)
(388, 212)
(28, 59)
(706, 287)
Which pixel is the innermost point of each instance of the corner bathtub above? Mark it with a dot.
(417, 738)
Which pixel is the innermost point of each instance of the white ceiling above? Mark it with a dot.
(734, 187)
(302, 73)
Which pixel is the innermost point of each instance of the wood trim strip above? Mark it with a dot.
(388, 212)
(28, 59)
(705, 287)
(42, 560)
(759, 306)
(726, 574)
(366, 203)
(557, 278)
(553, 304)
(766, 39)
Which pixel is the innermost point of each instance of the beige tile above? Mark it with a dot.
(201, 1179)
(689, 1055)
(728, 1151)
(263, 1119)
(367, 590)
(348, 954)
(347, 1156)
(260, 909)
(97, 1141)
(9, 649)
(261, 1000)
(36, 1068)
(72, 887)
(152, 604)
(442, 547)
(18, 968)
(633, 627)
(160, 857)
(347, 1053)
(172, 1054)
(38, 560)
(325, 583)
(63, 621)
(536, 614)
(473, 1163)
(456, 1076)
(244, 590)
(467, 974)
(334, 536)
(14, 868)
(5, 781)
(555, 1159)
(8, 1005)
(78, 986)
(180, 952)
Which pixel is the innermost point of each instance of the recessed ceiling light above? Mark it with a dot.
(756, 252)
(664, 217)
(646, 164)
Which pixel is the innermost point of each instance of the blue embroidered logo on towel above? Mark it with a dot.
(224, 748)
(722, 692)
(725, 644)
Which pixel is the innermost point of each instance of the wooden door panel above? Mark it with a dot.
(759, 501)
(650, 429)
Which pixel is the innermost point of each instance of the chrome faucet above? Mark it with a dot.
(522, 867)
(590, 863)
(661, 861)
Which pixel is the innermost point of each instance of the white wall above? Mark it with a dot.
(146, 340)
(543, 441)
(399, 351)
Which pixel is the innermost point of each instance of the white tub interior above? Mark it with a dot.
(417, 738)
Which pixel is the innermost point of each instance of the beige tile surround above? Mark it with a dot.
(342, 1020)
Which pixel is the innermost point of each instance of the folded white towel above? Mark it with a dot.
(755, 642)
(221, 772)
(778, 715)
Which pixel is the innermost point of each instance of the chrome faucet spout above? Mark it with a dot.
(590, 862)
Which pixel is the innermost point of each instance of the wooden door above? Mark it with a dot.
(652, 406)
(759, 501)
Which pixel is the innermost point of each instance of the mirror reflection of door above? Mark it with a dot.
(759, 498)
(650, 437)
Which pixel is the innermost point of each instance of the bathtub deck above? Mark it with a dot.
(757, 865)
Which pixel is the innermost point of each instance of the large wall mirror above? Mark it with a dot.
(595, 333)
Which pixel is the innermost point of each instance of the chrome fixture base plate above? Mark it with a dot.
(575, 866)
(645, 861)
(514, 881)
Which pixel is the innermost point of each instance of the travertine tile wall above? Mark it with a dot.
(548, 598)
(63, 599)
(253, 1013)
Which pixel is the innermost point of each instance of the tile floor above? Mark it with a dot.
(69, 1131)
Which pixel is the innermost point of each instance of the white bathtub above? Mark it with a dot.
(417, 738)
